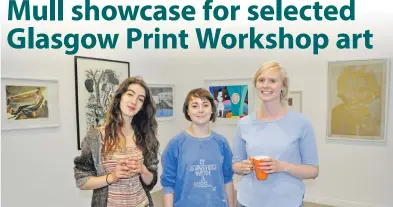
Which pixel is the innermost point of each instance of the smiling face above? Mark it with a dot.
(199, 110)
(199, 106)
(131, 101)
(269, 86)
(271, 83)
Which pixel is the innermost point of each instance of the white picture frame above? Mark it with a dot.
(249, 99)
(29, 103)
(367, 120)
(165, 101)
(295, 100)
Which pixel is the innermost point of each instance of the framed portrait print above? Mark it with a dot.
(164, 98)
(357, 99)
(234, 98)
(95, 82)
(29, 103)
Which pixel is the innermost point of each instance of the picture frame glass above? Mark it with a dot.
(164, 99)
(357, 99)
(29, 103)
(295, 100)
(96, 80)
(234, 98)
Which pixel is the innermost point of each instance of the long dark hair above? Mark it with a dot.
(144, 123)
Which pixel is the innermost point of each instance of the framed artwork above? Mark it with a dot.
(357, 99)
(29, 103)
(295, 100)
(233, 97)
(164, 98)
(95, 82)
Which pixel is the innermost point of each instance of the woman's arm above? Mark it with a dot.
(86, 174)
(168, 200)
(240, 163)
(228, 173)
(309, 167)
(243, 167)
(230, 192)
(169, 174)
(98, 182)
(84, 169)
(300, 171)
(149, 175)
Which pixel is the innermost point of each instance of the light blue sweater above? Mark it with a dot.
(289, 139)
(196, 170)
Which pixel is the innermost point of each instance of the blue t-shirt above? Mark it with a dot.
(196, 170)
(290, 139)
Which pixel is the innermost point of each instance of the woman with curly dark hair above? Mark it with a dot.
(119, 160)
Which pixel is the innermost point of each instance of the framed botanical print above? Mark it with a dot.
(95, 82)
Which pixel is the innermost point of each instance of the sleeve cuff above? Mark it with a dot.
(81, 181)
(228, 180)
(235, 159)
(168, 190)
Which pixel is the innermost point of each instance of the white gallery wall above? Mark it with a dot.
(37, 164)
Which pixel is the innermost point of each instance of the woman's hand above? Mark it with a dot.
(121, 171)
(270, 165)
(136, 165)
(246, 167)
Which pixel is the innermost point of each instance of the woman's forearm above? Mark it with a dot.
(168, 200)
(236, 167)
(300, 171)
(230, 192)
(147, 176)
(97, 182)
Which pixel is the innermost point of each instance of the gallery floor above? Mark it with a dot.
(157, 197)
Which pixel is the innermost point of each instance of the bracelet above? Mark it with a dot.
(106, 179)
(287, 169)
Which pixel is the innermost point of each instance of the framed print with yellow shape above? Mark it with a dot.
(357, 99)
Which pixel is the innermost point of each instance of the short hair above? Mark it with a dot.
(274, 66)
(204, 95)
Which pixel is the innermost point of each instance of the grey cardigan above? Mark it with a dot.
(89, 163)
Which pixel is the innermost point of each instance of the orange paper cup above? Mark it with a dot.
(258, 172)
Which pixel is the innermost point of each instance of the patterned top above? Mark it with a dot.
(89, 163)
(128, 191)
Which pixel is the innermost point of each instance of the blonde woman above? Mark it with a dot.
(284, 135)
